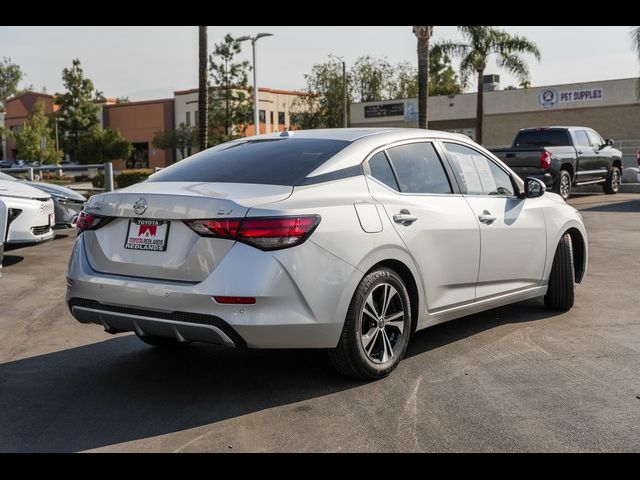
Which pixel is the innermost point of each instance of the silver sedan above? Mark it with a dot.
(348, 240)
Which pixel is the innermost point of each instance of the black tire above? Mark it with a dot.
(561, 290)
(612, 184)
(350, 357)
(162, 342)
(563, 185)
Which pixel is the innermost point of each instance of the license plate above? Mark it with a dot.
(147, 235)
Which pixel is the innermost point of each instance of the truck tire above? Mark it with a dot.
(561, 288)
(563, 185)
(612, 184)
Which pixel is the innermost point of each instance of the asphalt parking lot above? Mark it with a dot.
(518, 378)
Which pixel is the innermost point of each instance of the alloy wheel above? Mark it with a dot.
(564, 186)
(382, 323)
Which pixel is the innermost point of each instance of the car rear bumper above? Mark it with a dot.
(290, 312)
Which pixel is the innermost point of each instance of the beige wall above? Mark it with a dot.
(620, 122)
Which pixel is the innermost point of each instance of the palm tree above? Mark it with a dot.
(480, 43)
(424, 36)
(202, 88)
(635, 35)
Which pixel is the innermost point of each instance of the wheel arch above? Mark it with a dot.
(579, 253)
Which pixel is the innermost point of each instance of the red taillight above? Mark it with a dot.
(223, 228)
(264, 233)
(545, 159)
(89, 221)
(235, 300)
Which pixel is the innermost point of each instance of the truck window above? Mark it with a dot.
(581, 139)
(596, 140)
(547, 137)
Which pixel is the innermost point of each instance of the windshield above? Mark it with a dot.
(269, 162)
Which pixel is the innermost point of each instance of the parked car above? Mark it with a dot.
(67, 203)
(13, 163)
(563, 157)
(3, 231)
(30, 212)
(342, 239)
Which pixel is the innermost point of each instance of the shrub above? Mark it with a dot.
(129, 177)
(98, 180)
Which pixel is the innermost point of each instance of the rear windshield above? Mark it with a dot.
(542, 138)
(271, 162)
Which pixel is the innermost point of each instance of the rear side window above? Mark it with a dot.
(542, 138)
(381, 170)
(270, 162)
(581, 139)
(419, 169)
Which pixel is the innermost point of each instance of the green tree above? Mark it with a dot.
(230, 104)
(480, 43)
(78, 113)
(122, 100)
(323, 106)
(203, 89)
(371, 78)
(423, 34)
(443, 79)
(100, 145)
(182, 139)
(10, 76)
(35, 134)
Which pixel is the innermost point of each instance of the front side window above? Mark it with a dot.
(419, 169)
(596, 140)
(477, 174)
(381, 170)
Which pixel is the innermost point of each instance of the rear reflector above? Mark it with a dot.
(270, 233)
(235, 300)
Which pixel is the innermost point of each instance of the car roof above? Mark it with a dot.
(353, 134)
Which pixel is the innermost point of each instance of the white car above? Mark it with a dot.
(3, 230)
(347, 240)
(30, 213)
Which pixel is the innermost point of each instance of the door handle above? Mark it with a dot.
(486, 217)
(579, 152)
(404, 217)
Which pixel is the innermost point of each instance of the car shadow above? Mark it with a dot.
(631, 206)
(449, 332)
(9, 260)
(121, 390)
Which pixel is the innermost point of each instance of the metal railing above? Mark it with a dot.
(107, 168)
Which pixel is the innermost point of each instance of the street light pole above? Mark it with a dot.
(344, 95)
(256, 108)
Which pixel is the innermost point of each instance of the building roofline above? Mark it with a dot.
(29, 92)
(141, 102)
(260, 89)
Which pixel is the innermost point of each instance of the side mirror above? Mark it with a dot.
(609, 142)
(533, 187)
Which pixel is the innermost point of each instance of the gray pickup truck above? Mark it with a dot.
(563, 157)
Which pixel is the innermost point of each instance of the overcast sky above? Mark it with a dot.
(151, 62)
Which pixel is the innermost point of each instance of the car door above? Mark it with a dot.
(587, 157)
(512, 229)
(603, 155)
(432, 219)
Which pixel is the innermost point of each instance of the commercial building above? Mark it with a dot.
(276, 110)
(138, 122)
(611, 107)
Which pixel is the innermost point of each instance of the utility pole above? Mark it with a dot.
(344, 95)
